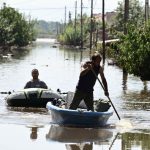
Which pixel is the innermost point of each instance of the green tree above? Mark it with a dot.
(134, 53)
(69, 36)
(14, 28)
(136, 14)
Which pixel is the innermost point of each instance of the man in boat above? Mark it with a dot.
(35, 82)
(87, 80)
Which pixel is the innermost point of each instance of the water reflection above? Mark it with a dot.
(139, 141)
(125, 86)
(28, 110)
(33, 137)
(60, 68)
(124, 82)
(87, 139)
(145, 89)
(78, 135)
(134, 100)
(80, 146)
(80, 138)
(21, 53)
(16, 54)
(34, 134)
(34, 131)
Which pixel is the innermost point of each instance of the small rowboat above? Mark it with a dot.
(78, 118)
(32, 97)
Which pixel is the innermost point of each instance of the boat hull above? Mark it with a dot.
(32, 97)
(78, 118)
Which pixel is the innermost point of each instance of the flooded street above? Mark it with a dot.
(30, 128)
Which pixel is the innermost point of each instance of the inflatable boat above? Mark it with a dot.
(32, 97)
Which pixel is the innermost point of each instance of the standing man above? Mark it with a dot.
(87, 80)
(35, 82)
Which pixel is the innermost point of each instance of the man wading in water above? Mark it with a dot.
(87, 80)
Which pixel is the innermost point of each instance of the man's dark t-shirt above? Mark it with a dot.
(35, 84)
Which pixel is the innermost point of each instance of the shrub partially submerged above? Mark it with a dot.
(134, 55)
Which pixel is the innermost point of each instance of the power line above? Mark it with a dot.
(40, 8)
(59, 8)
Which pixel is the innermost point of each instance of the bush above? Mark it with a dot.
(14, 29)
(134, 53)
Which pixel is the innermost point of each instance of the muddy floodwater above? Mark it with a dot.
(31, 128)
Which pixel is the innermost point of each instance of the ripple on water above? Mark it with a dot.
(139, 119)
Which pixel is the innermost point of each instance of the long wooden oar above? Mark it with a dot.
(107, 96)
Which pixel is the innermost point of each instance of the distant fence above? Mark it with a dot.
(46, 36)
(107, 42)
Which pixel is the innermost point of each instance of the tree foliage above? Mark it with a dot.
(71, 37)
(134, 53)
(14, 28)
(47, 28)
(136, 14)
(134, 46)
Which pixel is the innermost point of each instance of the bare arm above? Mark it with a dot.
(85, 68)
(104, 81)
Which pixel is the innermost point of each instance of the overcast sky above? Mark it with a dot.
(54, 10)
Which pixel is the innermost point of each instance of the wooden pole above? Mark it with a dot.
(65, 16)
(91, 30)
(107, 96)
(81, 27)
(103, 22)
(126, 15)
(75, 24)
(146, 10)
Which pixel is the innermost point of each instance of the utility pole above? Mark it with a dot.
(57, 28)
(103, 23)
(65, 17)
(70, 20)
(96, 38)
(91, 30)
(81, 26)
(146, 10)
(75, 23)
(126, 15)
